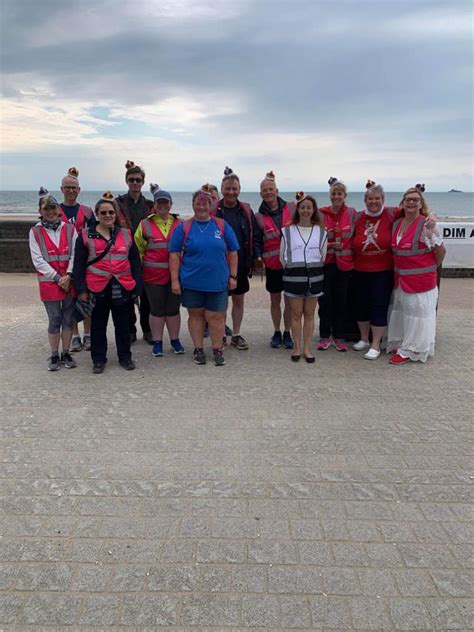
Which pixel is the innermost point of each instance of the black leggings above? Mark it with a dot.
(333, 303)
(100, 317)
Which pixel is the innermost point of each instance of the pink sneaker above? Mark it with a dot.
(341, 345)
(324, 344)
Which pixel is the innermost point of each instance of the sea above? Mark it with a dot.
(452, 204)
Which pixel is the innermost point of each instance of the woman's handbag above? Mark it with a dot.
(83, 309)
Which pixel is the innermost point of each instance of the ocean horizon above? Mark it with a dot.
(444, 204)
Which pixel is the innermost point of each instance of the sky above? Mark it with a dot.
(310, 89)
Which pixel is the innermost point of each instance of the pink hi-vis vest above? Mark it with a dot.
(345, 220)
(272, 236)
(414, 263)
(115, 263)
(84, 214)
(156, 258)
(58, 258)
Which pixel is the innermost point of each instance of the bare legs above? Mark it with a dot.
(303, 309)
(196, 321)
(275, 310)
(157, 325)
(237, 312)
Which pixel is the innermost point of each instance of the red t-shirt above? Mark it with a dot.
(372, 241)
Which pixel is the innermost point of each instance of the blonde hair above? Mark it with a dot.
(425, 211)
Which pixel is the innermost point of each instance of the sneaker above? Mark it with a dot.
(228, 331)
(157, 350)
(276, 340)
(128, 365)
(199, 356)
(287, 340)
(398, 359)
(206, 330)
(360, 346)
(218, 357)
(239, 342)
(324, 344)
(98, 367)
(67, 360)
(340, 344)
(54, 362)
(177, 346)
(86, 342)
(372, 354)
(76, 344)
(148, 337)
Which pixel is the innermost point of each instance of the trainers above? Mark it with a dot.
(157, 350)
(98, 367)
(128, 365)
(177, 346)
(199, 356)
(276, 340)
(86, 342)
(206, 330)
(372, 354)
(287, 340)
(340, 344)
(76, 344)
(67, 360)
(360, 346)
(54, 362)
(218, 357)
(228, 331)
(239, 342)
(324, 344)
(398, 359)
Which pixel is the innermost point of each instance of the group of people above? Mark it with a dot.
(129, 250)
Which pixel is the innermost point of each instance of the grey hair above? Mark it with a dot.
(377, 189)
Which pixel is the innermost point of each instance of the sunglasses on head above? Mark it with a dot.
(137, 180)
(106, 212)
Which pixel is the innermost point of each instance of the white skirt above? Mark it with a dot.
(412, 324)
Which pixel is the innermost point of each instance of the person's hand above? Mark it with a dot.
(65, 282)
(232, 283)
(430, 221)
(83, 296)
(176, 288)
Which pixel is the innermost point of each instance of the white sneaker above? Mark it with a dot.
(372, 354)
(360, 346)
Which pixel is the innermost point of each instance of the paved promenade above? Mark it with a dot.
(262, 495)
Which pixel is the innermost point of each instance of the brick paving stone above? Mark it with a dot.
(259, 508)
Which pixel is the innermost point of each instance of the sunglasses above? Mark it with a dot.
(135, 180)
(106, 212)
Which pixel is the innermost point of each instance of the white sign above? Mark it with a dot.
(458, 238)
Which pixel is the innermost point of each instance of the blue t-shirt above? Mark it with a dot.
(204, 265)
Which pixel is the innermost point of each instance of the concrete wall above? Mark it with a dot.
(15, 253)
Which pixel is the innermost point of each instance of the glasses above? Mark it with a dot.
(135, 180)
(106, 212)
(71, 188)
(414, 200)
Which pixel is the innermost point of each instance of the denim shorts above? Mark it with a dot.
(212, 301)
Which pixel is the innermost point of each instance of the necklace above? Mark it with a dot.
(203, 230)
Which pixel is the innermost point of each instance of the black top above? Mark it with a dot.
(133, 211)
(237, 218)
(81, 254)
(70, 211)
(277, 217)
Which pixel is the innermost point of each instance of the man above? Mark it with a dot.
(241, 218)
(273, 214)
(74, 213)
(135, 207)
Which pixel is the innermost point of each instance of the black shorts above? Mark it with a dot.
(162, 300)
(273, 280)
(373, 291)
(243, 285)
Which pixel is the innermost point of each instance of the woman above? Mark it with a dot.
(302, 253)
(373, 268)
(339, 221)
(52, 252)
(152, 238)
(107, 269)
(203, 267)
(417, 252)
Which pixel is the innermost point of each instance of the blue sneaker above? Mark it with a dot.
(177, 346)
(287, 340)
(276, 340)
(157, 350)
